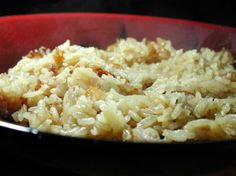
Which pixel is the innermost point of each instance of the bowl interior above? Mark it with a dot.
(20, 34)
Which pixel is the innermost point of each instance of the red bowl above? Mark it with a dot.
(19, 34)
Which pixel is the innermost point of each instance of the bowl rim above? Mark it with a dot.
(39, 134)
(35, 16)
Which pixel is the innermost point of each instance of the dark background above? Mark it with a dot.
(212, 11)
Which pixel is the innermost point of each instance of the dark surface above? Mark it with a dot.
(13, 164)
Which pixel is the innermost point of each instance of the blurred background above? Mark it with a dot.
(218, 11)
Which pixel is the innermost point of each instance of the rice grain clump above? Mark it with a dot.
(144, 91)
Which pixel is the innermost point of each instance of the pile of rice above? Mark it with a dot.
(144, 91)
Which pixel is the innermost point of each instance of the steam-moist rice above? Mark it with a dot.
(144, 91)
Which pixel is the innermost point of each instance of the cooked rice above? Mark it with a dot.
(144, 91)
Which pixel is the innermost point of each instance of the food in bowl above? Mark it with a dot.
(141, 91)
